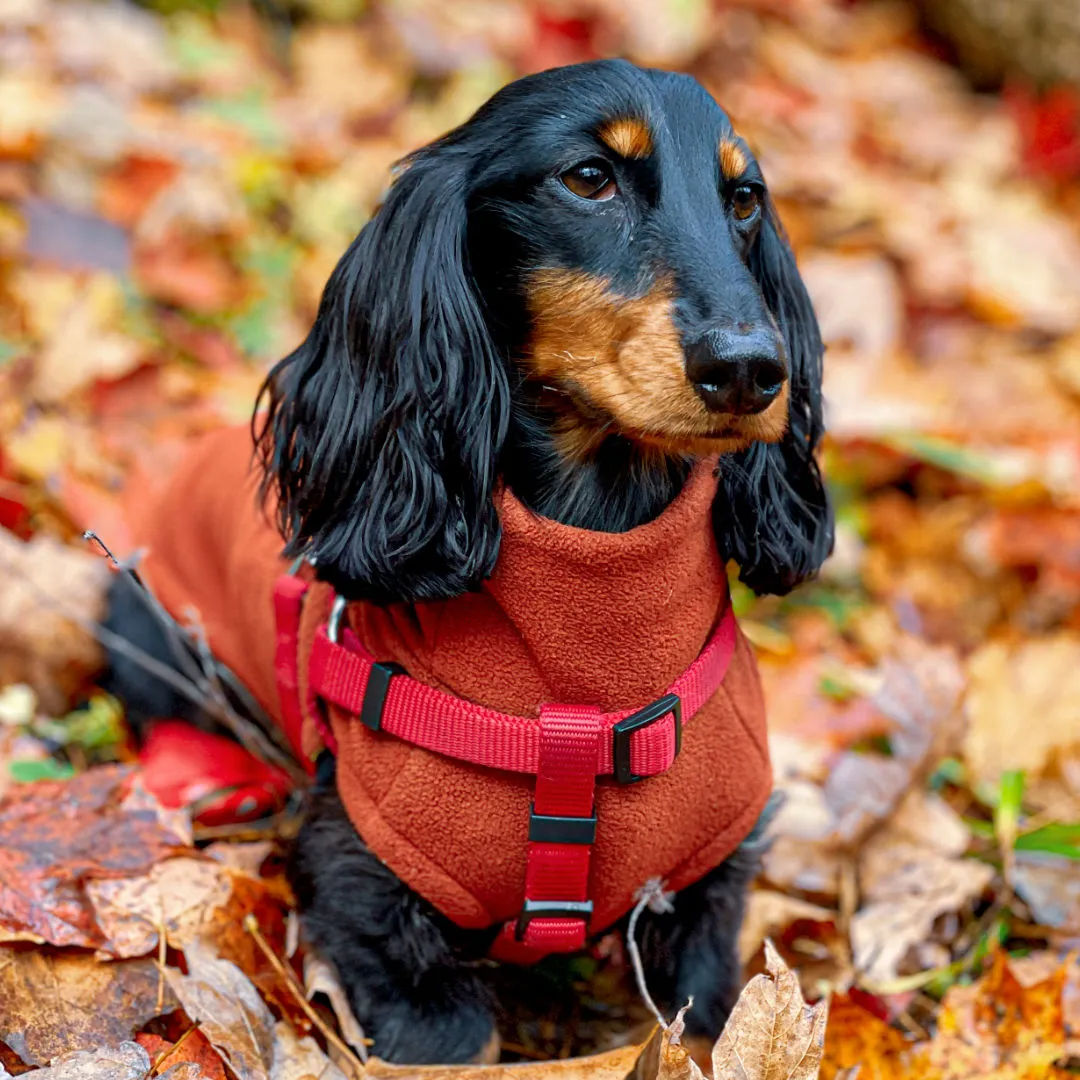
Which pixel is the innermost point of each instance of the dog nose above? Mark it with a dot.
(735, 373)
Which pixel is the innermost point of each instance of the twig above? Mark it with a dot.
(251, 925)
(651, 895)
(161, 954)
(250, 736)
(169, 1051)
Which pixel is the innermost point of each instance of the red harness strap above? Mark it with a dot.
(567, 747)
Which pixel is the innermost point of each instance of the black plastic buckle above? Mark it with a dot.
(375, 695)
(621, 732)
(552, 829)
(551, 909)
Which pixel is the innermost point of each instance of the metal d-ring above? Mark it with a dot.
(333, 624)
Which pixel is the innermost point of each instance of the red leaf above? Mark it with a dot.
(57, 835)
(195, 1048)
(1049, 130)
(133, 185)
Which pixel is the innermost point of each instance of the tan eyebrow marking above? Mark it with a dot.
(732, 160)
(628, 136)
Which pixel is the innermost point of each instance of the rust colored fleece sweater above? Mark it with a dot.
(569, 616)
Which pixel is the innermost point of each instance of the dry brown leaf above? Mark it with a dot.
(907, 886)
(177, 894)
(219, 997)
(39, 644)
(55, 1004)
(321, 977)
(297, 1059)
(676, 1061)
(772, 1034)
(1050, 886)
(770, 913)
(612, 1065)
(129, 1061)
(858, 302)
(1011, 688)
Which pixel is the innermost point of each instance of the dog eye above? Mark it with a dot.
(745, 201)
(590, 180)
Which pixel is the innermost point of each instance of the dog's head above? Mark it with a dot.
(596, 241)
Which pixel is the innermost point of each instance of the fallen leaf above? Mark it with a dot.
(858, 302)
(675, 1061)
(612, 1065)
(997, 1027)
(78, 241)
(84, 344)
(297, 1059)
(195, 1050)
(856, 1037)
(907, 886)
(219, 997)
(177, 894)
(55, 836)
(1009, 686)
(128, 1061)
(178, 272)
(772, 1034)
(54, 1004)
(42, 645)
(769, 914)
(321, 977)
(1050, 886)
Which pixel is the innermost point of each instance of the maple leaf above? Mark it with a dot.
(772, 1034)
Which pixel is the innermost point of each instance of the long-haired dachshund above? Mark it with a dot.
(577, 297)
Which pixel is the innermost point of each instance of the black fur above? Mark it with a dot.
(409, 394)
(387, 430)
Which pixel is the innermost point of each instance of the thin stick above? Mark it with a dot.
(251, 925)
(248, 734)
(172, 1049)
(651, 895)
(161, 954)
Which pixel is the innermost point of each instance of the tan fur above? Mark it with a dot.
(732, 160)
(628, 136)
(618, 365)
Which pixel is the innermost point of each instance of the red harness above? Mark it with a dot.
(566, 748)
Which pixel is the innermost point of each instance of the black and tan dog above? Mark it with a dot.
(579, 296)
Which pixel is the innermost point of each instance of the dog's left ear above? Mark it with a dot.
(772, 514)
(384, 427)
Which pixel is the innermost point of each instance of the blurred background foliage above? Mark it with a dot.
(178, 179)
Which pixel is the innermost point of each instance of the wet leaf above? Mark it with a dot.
(56, 836)
(57, 1004)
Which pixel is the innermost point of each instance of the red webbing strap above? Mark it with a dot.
(289, 592)
(460, 729)
(558, 872)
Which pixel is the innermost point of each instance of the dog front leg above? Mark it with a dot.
(413, 995)
(692, 951)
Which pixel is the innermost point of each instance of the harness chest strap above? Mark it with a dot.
(566, 747)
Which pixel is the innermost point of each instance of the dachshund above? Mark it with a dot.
(579, 293)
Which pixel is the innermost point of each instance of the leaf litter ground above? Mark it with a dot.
(175, 185)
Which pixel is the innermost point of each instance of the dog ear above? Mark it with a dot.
(772, 514)
(384, 427)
